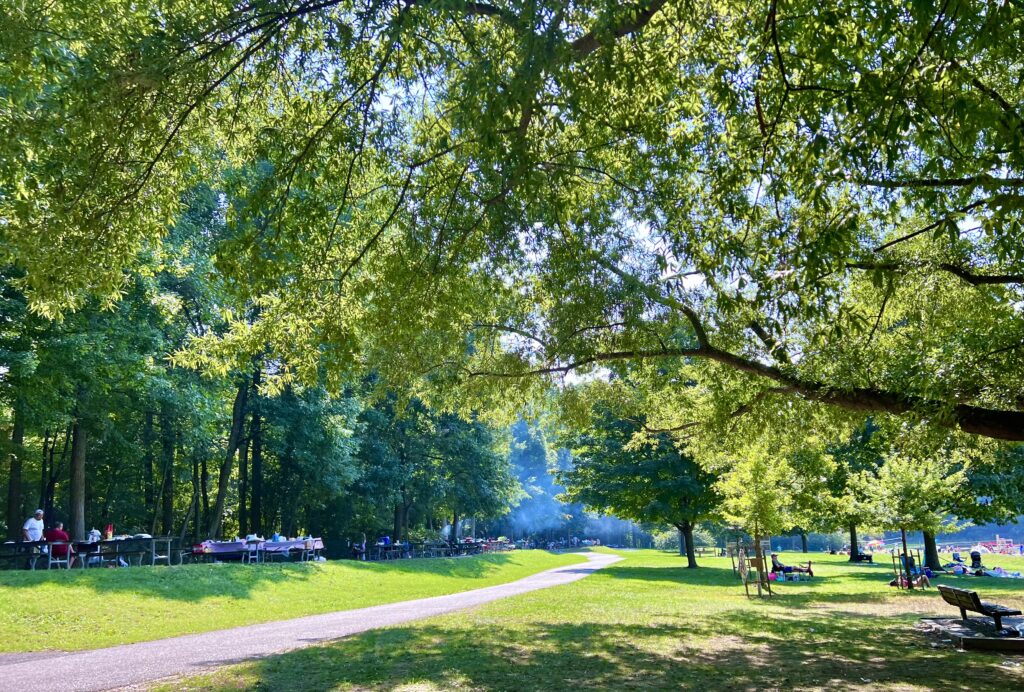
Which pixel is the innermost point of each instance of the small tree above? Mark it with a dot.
(907, 494)
(758, 495)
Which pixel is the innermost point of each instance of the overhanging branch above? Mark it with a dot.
(987, 422)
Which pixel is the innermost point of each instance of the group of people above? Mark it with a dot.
(33, 530)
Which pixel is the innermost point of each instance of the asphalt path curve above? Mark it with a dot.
(132, 665)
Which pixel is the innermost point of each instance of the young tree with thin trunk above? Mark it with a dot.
(908, 494)
(758, 495)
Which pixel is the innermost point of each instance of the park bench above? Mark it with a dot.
(965, 600)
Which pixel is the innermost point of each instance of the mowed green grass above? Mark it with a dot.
(647, 623)
(85, 609)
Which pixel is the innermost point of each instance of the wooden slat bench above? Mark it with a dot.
(965, 600)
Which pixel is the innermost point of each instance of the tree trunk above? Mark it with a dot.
(456, 534)
(193, 507)
(204, 487)
(147, 463)
(931, 552)
(256, 441)
(803, 541)
(78, 448)
(682, 541)
(854, 552)
(44, 473)
(243, 489)
(906, 559)
(396, 533)
(759, 554)
(196, 482)
(691, 552)
(14, 518)
(168, 443)
(56, 466)
(234, 438)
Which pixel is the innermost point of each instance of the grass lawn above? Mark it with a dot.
(647, 623)
(86, 609)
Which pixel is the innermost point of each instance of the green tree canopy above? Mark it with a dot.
(647, 481)
(808, 203)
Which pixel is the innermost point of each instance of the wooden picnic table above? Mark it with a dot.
(260, 550)
(132, 549)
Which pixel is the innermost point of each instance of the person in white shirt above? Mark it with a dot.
(32, 530)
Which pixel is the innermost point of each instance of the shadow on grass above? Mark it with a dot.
(235, 580)
(741, 650)
(790, 594)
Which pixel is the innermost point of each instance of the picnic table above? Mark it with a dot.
(259, 550)
(19, 554)
(305, 548)
(393, 551)
(126, 550)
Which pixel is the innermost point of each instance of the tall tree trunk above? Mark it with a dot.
(691, 550)
(803, 541)
(44, 472)
(931, 552)
(906, 559)
(56, 468)
(256, 441)
(854, 551)
(204, 487)
(193, 508)
(396, 533)
(14, 518)
(243, 488)
(234, 438)
(147, 463)
(456, 533)
(196, 494)
(168, 443)
(682, 541)
(78, 449)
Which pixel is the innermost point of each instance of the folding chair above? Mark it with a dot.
(64, 559)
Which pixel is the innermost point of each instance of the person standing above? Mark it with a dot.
(32, 529)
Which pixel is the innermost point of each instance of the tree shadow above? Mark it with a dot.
(738, 650)
(177, 583)
(807, 637)
(198, 582)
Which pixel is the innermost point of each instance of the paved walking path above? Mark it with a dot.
(134, 664)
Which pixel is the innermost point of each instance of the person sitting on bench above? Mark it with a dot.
(787, 569)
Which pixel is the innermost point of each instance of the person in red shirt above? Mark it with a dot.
(57, 533)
